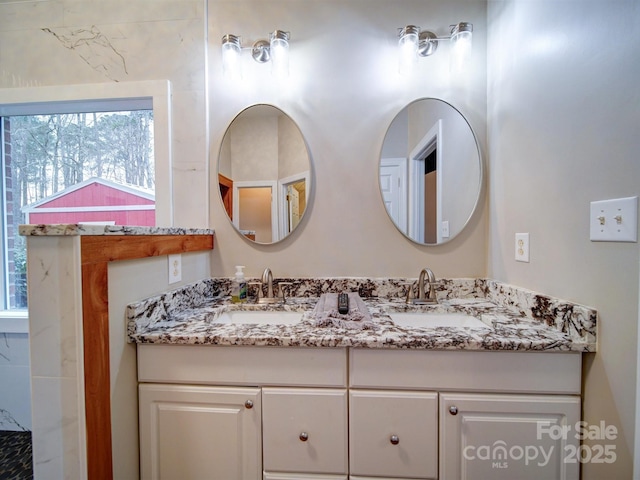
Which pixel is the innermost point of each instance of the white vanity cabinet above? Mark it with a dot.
(490, 406)
(356, 413)
(296, 424)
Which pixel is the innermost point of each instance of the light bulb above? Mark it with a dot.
(461, 43)
(408, 45)
(279, 47)
(231, 50)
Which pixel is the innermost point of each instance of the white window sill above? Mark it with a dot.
(14, 321)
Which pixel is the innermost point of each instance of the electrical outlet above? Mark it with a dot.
(522, 247)
(175, 268)
(614, 220)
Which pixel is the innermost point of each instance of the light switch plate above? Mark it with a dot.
(522, 247)
(175, 268)
(445, 229)
(614, 220)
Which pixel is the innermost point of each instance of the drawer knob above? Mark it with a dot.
(248, 404)
(394, 439)
(304, 436)
(453, 410)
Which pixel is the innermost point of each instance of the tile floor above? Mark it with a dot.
(15, 456)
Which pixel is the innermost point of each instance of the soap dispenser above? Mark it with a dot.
(239, 287)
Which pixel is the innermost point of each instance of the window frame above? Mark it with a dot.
(153, 94)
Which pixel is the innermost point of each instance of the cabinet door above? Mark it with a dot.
(393, 433)
(304, 430)
(508, 436)
(196, 432)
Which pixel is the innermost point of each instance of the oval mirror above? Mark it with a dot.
(264, 174)
(430, 171)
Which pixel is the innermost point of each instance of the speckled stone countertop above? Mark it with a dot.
(65, 229)
(515, 319)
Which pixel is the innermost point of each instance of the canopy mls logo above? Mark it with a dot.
(500, 454)
(555, 443)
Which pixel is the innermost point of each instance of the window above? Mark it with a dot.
(85, 154)
(85, 167)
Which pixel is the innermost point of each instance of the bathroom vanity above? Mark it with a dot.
(273, 401)
(339, 412)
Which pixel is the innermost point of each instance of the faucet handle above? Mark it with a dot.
(410, 294)
(431, 293)
(281, 286)
(259, 294)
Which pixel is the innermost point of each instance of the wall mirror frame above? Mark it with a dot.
(264, 174)
(430, 171)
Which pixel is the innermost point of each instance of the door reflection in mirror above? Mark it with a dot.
(264, 174)
(254, 214)
(295, 203)
(430, 171)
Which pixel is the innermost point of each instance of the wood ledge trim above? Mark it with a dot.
(95, 254)
(105, 248)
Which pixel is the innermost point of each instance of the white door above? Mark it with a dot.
(393, 185)
(255, 209)
(195, 432)
(293, 202)
(419, 194)
(506, 437)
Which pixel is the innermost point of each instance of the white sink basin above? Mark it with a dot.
(424, 319)
(258, 317)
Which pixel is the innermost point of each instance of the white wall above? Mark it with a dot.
(131, 281)
(343, 92)
(563, 131)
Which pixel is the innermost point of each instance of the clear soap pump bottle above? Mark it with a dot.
(239, 287)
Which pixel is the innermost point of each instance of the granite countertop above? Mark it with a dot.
(66, 229)
(515, 319)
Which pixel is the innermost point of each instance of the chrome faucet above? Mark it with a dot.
(270, 297)
(426, 290)
(267, 279)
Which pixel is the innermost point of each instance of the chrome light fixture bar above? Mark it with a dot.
(414, 42)
(276, 50)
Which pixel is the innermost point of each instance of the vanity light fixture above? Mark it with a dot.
(414, 43)
(275, 49)
(231, 49)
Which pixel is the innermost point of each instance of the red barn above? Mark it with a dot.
(95, 201)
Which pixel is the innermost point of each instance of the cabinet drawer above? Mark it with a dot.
(236, 365)
(393, 433)
(484, 371)
(304, 430)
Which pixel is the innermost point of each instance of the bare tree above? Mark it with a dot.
(53, 152)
